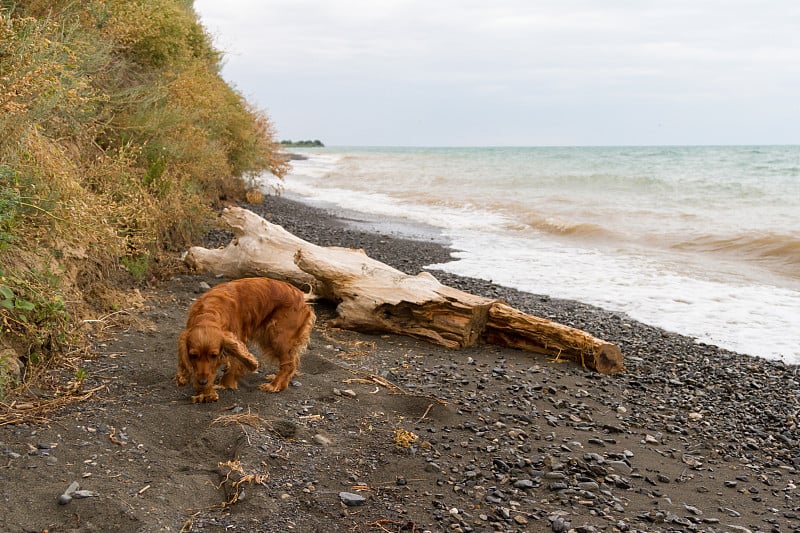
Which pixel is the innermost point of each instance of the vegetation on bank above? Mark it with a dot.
(118, 138)
(303, 144)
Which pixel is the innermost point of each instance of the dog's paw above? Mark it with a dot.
(271, 387)
(205, 397)
(181, 380)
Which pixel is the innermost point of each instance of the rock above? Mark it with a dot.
(433, 467)
(322, 440)
(351, 499)
(692, 509)
(620, 466)
(559, 525)
(523, 484)
(65, 498)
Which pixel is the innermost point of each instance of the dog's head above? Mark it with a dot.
(202, 350)
(201, 353)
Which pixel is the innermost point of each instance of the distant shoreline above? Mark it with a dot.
(316, 143)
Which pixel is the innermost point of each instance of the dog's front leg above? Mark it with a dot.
(182, 376)
(184, 373)
(205, 395)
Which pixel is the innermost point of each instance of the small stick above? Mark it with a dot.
(428, 410)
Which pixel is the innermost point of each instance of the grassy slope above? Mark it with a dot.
(118, 137)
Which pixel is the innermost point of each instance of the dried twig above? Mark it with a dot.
(400, 525)
(358, 347)
(235, 467)
(36, 411)
(242, 419)
(428, 410)
(187, 525)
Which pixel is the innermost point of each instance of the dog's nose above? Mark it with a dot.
(202, 381)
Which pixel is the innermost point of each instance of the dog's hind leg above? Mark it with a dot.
(285, 339)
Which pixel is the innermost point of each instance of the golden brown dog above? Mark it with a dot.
(270, 313)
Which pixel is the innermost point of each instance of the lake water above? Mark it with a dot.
(703, 241)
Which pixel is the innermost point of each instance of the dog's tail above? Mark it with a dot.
(309, 296)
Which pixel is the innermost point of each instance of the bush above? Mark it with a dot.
(119, 138)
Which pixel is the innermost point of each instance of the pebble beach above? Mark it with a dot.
(388, 433)
(703, 439)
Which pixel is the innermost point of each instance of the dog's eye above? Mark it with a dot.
(213, 355)
(193, 356)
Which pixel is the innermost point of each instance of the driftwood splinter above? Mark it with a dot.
(374, 297)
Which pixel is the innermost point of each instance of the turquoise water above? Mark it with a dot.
(704, 241)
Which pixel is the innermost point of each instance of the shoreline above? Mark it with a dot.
(363, 230)
(364, 222)
(650, 263)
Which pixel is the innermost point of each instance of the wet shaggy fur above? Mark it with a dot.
(269, 313)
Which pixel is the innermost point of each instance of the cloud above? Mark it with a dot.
(526, 53)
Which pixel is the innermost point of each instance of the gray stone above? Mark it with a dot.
(322, 440)
(619, 466)
(523, 484)
(351, 499)
(65, 498)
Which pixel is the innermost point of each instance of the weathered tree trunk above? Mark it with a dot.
(258, 248)
(510, 327)
(375, 297)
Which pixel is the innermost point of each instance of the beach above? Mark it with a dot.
(389, 433)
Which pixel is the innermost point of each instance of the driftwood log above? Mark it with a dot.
(374, 297)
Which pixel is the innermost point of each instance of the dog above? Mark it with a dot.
(272, 314)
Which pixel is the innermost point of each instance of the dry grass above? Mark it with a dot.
(36, 411)
(404, 438)
(236, 477)
(119, 140)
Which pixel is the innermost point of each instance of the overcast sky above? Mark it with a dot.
(516, 72)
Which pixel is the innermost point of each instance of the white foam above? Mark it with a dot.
(760, 320)
(388, 206)
(719, 301)
(317, 165)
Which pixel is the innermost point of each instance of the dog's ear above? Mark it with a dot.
(236, 348)
(184, 372)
